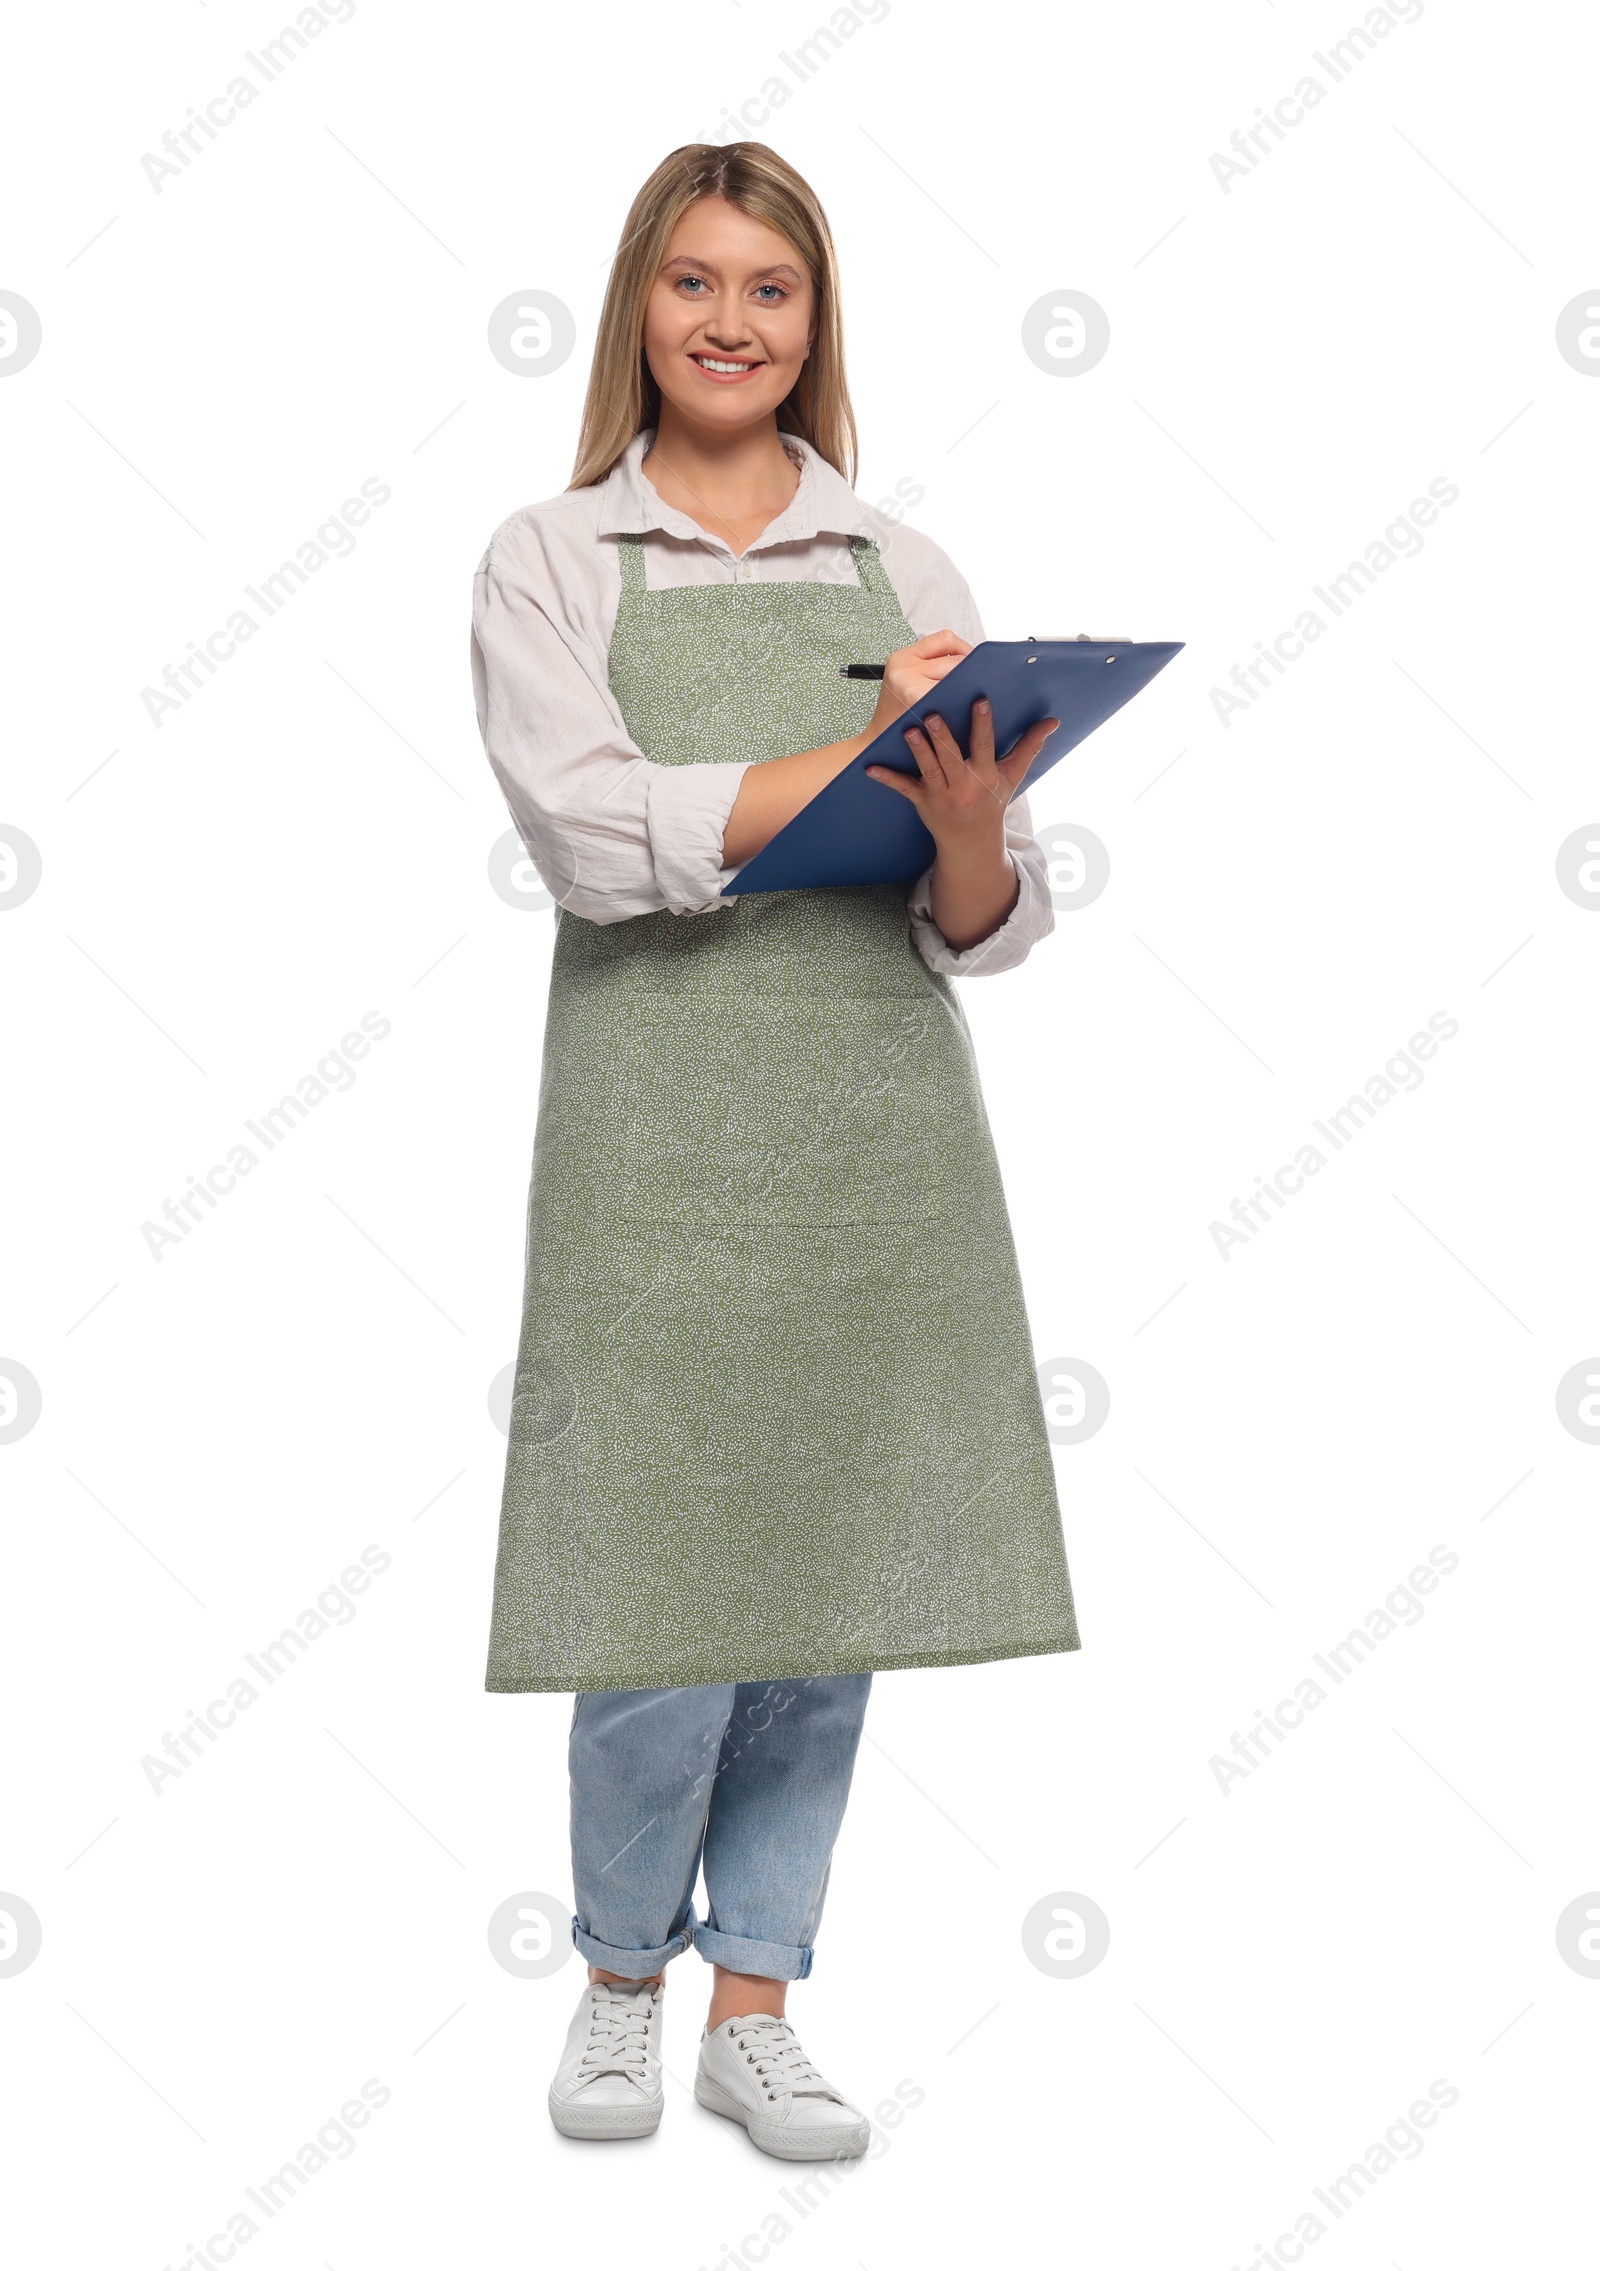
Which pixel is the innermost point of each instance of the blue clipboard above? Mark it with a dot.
(858, 830)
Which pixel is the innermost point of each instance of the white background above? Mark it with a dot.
(1293, 1960)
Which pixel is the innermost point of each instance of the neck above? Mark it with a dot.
(733, 476)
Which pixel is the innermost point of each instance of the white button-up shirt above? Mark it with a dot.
(612, 834)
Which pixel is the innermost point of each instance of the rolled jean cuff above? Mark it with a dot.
(629, 1963)
(767, 1959)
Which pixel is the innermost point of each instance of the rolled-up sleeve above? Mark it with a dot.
(1032, 918)
(611, 834)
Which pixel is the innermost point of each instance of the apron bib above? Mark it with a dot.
(776, 1413)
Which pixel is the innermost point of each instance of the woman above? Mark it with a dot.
(776, 1423)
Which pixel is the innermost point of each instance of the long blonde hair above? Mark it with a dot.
(623, 396)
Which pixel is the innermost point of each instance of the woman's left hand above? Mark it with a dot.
(962, 800)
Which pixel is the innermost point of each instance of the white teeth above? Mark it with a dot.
(710, 363)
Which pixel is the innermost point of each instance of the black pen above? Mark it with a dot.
(861, 670)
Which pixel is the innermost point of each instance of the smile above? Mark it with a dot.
(718, 367)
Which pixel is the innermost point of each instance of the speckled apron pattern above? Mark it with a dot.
(776, 1412)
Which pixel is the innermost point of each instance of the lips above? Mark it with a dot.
(726, 370)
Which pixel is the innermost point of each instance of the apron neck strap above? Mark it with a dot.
(870, 568)
(630, 558)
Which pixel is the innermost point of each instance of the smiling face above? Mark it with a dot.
(729, 319)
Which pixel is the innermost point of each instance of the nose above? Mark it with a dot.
(726, 324)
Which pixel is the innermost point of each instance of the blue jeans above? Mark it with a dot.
(750, 1780)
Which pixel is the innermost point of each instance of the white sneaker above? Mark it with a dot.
(608, 2083)
(754, 2070)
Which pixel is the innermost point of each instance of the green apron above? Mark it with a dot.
(776, 1412)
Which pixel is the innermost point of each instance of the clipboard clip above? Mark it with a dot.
(1084, 638)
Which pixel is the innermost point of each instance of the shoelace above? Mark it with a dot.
(773, 2049)
(618, 2032)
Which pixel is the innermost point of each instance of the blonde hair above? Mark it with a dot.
(623, 396)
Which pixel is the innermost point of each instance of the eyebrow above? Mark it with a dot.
(709, 267)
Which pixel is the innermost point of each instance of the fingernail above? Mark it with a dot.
(982, 705)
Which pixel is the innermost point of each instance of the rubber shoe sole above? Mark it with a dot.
(844, 2140)
(602, 2121)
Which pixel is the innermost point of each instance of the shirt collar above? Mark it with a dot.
(823, 501)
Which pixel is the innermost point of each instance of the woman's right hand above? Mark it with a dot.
(911, 672)
(771, 793)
